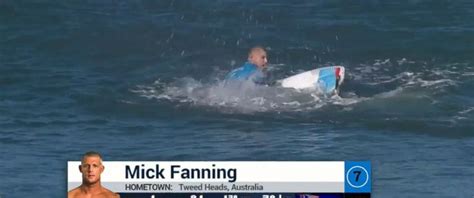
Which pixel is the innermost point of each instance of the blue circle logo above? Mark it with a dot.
(357, 176)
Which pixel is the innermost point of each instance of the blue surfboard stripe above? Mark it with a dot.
(327, 80)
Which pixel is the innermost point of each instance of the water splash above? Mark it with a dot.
(384, 82)
(243, 97)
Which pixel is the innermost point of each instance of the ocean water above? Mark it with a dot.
(142, 80)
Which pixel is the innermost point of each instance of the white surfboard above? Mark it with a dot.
(326, 79)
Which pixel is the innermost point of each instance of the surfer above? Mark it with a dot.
(253, 69)
(91, 167)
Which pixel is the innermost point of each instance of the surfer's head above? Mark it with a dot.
(258, 57)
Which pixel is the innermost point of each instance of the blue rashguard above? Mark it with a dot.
(246, 72)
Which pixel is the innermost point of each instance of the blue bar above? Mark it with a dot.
(357, 177)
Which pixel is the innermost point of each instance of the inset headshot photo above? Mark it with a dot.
(91, 168)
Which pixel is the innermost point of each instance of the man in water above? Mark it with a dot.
(252, 69)
(91, 167)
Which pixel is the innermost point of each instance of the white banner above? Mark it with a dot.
(217, 176)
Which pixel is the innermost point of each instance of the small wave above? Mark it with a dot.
(468, 74)
(466, 111)
(401, 76)
(438, 83)
(404, 73)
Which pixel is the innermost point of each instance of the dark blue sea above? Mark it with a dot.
(142, 80)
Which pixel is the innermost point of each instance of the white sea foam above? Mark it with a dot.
(243, 97)
(247, 97)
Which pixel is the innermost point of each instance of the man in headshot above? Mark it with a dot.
(91, 167)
